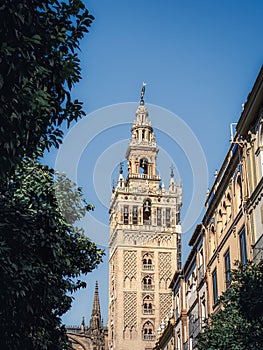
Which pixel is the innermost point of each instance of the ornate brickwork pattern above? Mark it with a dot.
(165, 261)
(165, 303)
(139, 237)
(130, 309)
(130, 263)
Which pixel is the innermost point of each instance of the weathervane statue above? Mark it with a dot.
(143, 92)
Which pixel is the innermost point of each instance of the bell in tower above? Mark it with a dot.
(144, 165)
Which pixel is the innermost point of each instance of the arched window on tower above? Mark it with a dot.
(148, 305)
(147, 283)
(168, 217)
(135, 215)
(159, 216)
(147, 331)
(147, 262)
(147, 212)
(144, 166)
(126, 215)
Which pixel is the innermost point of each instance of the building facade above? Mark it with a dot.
(145, 243)
(231, 229)
(94, 336)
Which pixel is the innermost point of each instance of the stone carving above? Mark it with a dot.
(146, 237)
(165, 264)
(130, 263)
(130, 309)
(165, 303)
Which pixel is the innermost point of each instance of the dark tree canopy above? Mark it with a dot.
(42, 253)
(238, 325)
(39, 41)
(41, 256)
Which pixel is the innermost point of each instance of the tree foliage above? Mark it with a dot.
(42, 252)
(39, 41)
(41, 256)
(238, 325)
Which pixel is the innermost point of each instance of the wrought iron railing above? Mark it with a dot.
(148, 337)
(148, 311)
(147, 267)
(148, 287)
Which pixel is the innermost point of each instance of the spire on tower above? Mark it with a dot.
(172, 183)
(83, 325)
(96, 303)
(95, 321)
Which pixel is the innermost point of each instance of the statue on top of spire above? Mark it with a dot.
(172, 170)
(142, 93)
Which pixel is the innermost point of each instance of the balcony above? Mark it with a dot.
(148, 311)
(144, 176)
(148, 267)
(148, 287)
(258, 251)
(149, 337)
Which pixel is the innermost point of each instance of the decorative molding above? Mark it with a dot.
(165, 305)
(130, 263)
(130, 309)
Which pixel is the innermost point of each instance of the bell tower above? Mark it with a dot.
(145, 243)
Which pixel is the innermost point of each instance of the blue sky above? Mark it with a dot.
(199, 59)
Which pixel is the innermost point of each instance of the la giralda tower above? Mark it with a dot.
(145, 243)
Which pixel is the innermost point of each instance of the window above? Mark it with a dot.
(144, 166)
(148, 331)
(215, 290)
(126, 215)
(243, 247)
(147, 283)
(135, 215)
(227, 269)
(159, 217)
(147, 262)
(168, 216)
(147, 305)
(147, 212)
